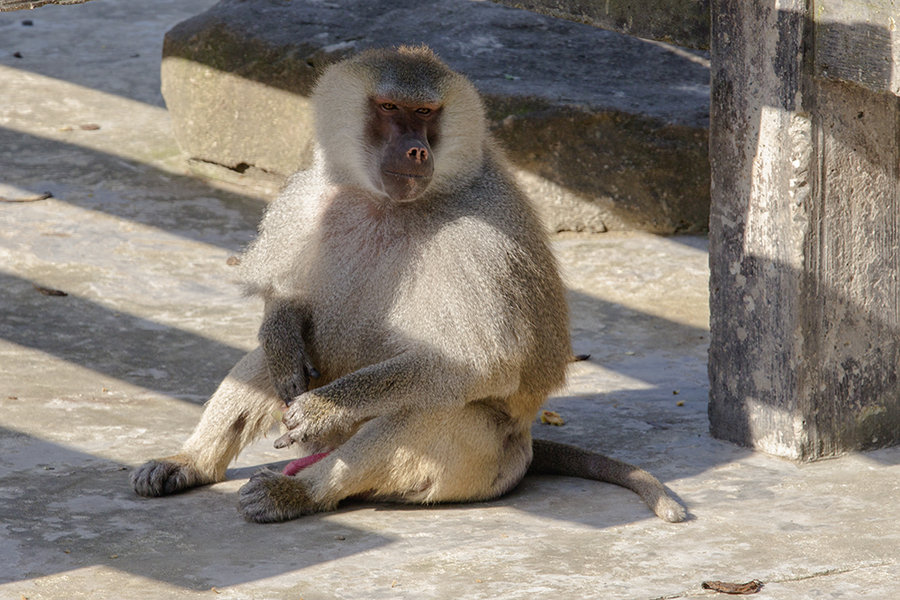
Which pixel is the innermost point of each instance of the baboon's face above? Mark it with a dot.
(402, 134)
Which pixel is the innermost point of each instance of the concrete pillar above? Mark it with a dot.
(805, 226)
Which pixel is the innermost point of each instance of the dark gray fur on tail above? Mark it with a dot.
(554, 458)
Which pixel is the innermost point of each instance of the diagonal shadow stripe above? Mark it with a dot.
(93, 180)
(130, 348)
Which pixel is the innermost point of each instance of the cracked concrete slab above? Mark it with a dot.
(94, 382)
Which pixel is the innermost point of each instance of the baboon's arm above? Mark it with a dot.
(410, 379)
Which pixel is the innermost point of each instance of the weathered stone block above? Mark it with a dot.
(804, 230)
(604, 130)
(682, 22)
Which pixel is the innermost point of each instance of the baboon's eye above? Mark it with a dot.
(423, 111)
(388, 106)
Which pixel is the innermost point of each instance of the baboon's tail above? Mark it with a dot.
(553, 458)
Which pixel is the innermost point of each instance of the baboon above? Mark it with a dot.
(414, 318)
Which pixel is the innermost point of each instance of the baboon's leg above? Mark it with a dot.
(243, 407)
(452, 455)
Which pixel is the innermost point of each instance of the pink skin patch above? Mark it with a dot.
(295, 466)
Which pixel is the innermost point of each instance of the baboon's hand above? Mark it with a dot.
(290, 377)
(166, 476)
(290, 367)
(311, 418)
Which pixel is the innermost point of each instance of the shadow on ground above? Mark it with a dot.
(66, 510)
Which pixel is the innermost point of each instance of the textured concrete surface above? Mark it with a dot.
(93, 383)
(10, 5)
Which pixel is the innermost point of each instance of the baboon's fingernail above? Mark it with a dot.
(284, 441)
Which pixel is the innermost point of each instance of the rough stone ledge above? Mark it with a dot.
(682, 22)
(605, 131)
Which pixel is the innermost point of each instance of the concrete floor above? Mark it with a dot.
(95, 382)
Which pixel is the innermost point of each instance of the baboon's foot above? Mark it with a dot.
(269, 497)
(166, 476)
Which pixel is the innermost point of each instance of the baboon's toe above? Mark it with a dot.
(270, 497)
(162, 477)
